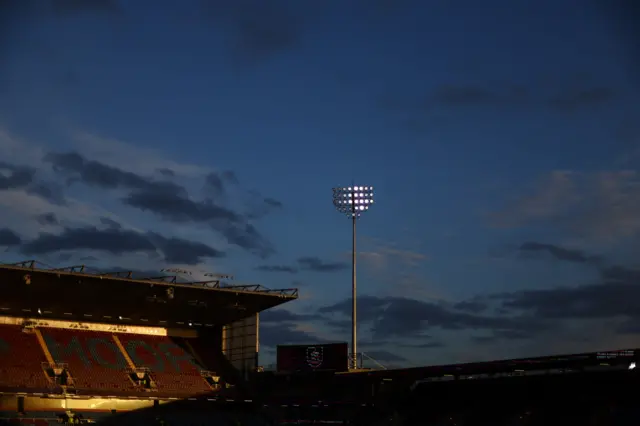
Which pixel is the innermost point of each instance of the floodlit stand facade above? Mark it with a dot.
(353, 201)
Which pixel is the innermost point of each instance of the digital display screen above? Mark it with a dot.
(334, 357)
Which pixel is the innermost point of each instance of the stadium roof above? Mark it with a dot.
(73, 293)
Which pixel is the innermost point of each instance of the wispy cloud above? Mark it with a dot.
(384, 256)
(602, 206)
(76, 220)
(124, 155)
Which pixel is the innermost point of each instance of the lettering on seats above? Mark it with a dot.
(134, 347)
(104, 352)
(116, 362)
(175, 354)
(95, 346)
(61, 352)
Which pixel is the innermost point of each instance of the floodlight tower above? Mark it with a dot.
(353, 201)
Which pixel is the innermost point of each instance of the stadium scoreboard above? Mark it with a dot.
(308, 358)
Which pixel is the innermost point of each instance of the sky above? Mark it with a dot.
(502, 140)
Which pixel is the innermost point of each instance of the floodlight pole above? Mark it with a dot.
(354, 320)
(353, 201)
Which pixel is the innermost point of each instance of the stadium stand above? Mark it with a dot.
(78, 347)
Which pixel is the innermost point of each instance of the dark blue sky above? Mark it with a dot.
(501, 138)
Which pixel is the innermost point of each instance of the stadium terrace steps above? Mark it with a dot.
(21, 359)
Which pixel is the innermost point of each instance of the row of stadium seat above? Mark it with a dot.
(21, 358)
(97, 361)
(180, 371)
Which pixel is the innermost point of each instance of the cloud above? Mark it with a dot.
(168, 173)
(404, 317)
(9, 238)
(341, 325)
(398, 265)
(166, 199)
(615, 295)
(50, 191)
(178, 250)
(598, 208)
(530, 315)
(425, 345)
(272, 202)
(36, 189)
(277, 268)
(126, 156)
(631, 326)
(110, 223)
(385, 356)
(16, 150)
(583, 97)
(221, 183)
(230, 177)
(259, 206)
(382, 256)
(602, 300)
(283, 316)
(472, 306)
(501, 335)
(318, 265)
(177, 208)
(215, 184)
(100, 175)
(15, 177)
(49, 219)
(560, 253)
(551, 194)
(19, 204)
(308, 263)
(283, 334)
(281, 326)
(259, 30)
(467, 96)
(112, 241)
(118, 242)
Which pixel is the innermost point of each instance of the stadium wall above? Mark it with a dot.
(34, 404)
(240, 344)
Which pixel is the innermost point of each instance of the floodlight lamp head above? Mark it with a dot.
(353, 200)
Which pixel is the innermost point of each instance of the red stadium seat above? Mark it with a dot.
(93, 358)
(95, 362)
(21, 359)
(172, 368)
